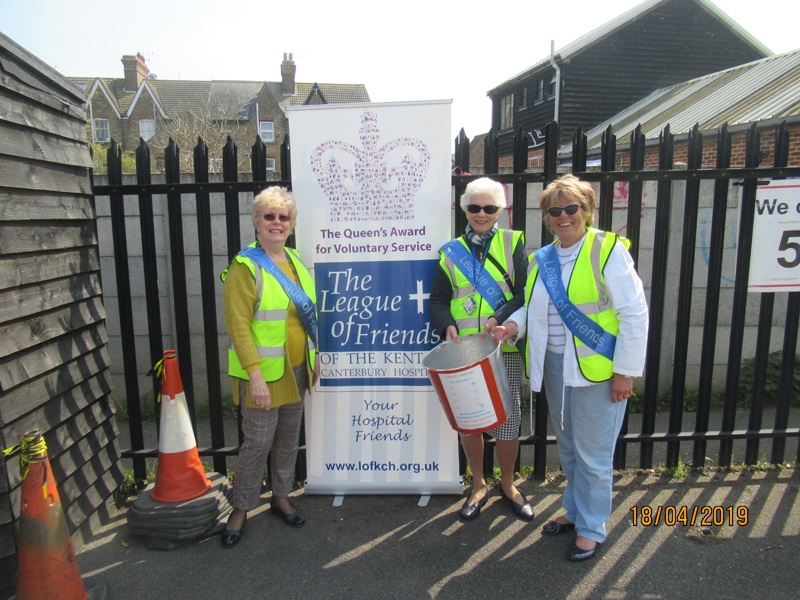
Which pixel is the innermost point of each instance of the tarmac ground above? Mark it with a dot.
(391, 547)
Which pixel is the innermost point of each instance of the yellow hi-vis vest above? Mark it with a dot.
(502, 249)
(268, 326)
(587, 292)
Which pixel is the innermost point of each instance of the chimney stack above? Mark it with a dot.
(288, 70)
(136, 71)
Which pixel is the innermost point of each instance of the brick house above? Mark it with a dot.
(139, 105)
(656, 44)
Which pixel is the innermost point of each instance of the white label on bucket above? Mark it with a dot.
(469, 398)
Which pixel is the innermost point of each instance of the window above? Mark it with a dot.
(100, 132)
(551, 92)
(270, 164)
(539, 91)
(523, 103)
(507, 112)
(266, 129)
(147, 128)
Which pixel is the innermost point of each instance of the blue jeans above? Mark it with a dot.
(591, 424)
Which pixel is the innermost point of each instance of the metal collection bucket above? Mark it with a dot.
(471, 382)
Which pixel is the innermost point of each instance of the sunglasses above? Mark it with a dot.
(281, 218)
(476, 208)
(570, 209)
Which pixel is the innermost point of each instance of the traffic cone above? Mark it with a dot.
(180, 475)
(46, 562)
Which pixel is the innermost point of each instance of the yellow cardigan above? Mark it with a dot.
(239, 296)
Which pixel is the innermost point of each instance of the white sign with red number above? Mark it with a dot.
(775, 257)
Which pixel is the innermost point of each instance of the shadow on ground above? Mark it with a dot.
(390, 547)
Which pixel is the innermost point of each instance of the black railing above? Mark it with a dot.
(201, 190)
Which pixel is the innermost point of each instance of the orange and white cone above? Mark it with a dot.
(46, 563)
(180, 475)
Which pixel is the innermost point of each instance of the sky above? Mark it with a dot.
(412, 51)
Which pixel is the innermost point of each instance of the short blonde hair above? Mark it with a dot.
(275, 197)
(569, 186)
(484, 185)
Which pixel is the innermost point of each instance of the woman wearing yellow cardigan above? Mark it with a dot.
(270, 315)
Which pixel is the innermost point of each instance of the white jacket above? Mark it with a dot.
(625, 290)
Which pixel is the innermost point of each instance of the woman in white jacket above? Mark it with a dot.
(586, 320)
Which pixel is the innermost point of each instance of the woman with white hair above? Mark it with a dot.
(465, 301)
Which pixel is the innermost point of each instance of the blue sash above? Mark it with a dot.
(474, 272)
(581, 326)
(304, 305)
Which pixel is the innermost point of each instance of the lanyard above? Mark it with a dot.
(473, 270)
(305, 307)
(581, 326)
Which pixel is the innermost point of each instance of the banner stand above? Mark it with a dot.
(373, 189)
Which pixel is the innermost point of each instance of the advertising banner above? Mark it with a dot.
(372, 184)
(775, 257)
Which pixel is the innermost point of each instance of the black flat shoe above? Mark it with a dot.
(556, 528)
(231, 537)
(294, 519)
(523, 511)
(579, 554)
(469, 512)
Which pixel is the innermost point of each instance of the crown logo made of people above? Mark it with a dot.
(371, 183)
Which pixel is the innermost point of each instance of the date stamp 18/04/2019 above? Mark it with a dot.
(701, 516)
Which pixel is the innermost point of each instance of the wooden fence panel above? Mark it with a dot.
(54, 362)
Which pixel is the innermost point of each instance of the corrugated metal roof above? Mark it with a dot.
(761, 90)
(588, 40)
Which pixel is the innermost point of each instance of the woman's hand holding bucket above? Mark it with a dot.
(500, 333)
(451, 334)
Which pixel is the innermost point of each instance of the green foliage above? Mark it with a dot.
(203, 411)
(690, 400)
(680, 471)
(100, 159)
(130, 486)
(525, 471)
(635, 403)
(773, 378)
(148, 409)
(467, 476)
(692, 397)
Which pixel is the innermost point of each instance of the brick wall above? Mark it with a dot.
(126, 132)
(709, 160)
